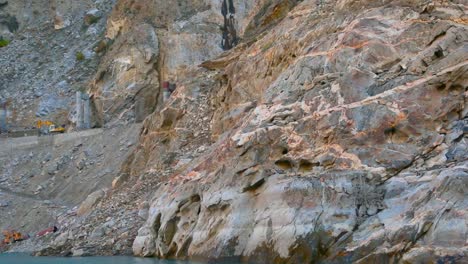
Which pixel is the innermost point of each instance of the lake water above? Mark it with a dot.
(26, 259)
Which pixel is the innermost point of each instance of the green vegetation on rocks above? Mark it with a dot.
(4, 42)
(80, 56)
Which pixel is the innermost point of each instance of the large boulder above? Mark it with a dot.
(90, 202)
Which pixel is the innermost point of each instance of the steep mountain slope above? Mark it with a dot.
(42, 179)
(299, 132)
(52, 54)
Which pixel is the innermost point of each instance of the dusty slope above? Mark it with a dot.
(40, 72)
(44, 179)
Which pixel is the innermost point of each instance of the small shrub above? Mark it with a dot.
(89, 20)
(80, 56)
(101, 46)
(4, 42)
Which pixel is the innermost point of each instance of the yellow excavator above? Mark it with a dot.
(48, 127)
(12, 236)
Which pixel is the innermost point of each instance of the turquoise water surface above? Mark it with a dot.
(26, 259)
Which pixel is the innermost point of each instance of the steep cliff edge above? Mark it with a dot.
(334, 136)
(299, 132)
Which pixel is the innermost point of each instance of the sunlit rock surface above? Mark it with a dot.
(299, 132)
(336, 136)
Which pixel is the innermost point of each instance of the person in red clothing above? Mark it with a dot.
(46, 231)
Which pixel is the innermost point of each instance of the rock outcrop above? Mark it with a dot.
(299, 132)
(330, 140)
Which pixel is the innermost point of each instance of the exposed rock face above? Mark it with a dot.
(299, 132)
(330, 142)
(122, 93)
(150, 42)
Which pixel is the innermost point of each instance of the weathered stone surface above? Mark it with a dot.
(62, 239)
(127, 84)
(323, 131)
(328, 143)
(152, 42)
(88, 204)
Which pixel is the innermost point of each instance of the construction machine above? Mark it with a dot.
(48, 127)
(12, 236)
(7, 237)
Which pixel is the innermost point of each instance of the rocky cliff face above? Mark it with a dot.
(334, 136)
(299, 132)
(155, 41)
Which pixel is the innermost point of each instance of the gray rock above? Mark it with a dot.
(88, 204)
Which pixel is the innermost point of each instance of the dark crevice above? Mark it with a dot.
(269, 15)
(284, 164)
(242, 170)
(157, 224)
(229, 32)
(169, 231)
(183, 251)
(10, 22)
(167, 123)
(245, 151)
(157, 67)
(195, 198)
(439, 53)
(306, 166)
(254, 186)
(437, 38)
(412, 243)
(173, 248)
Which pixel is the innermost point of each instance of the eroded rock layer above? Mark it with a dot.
(300, 132)
(335, 136)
